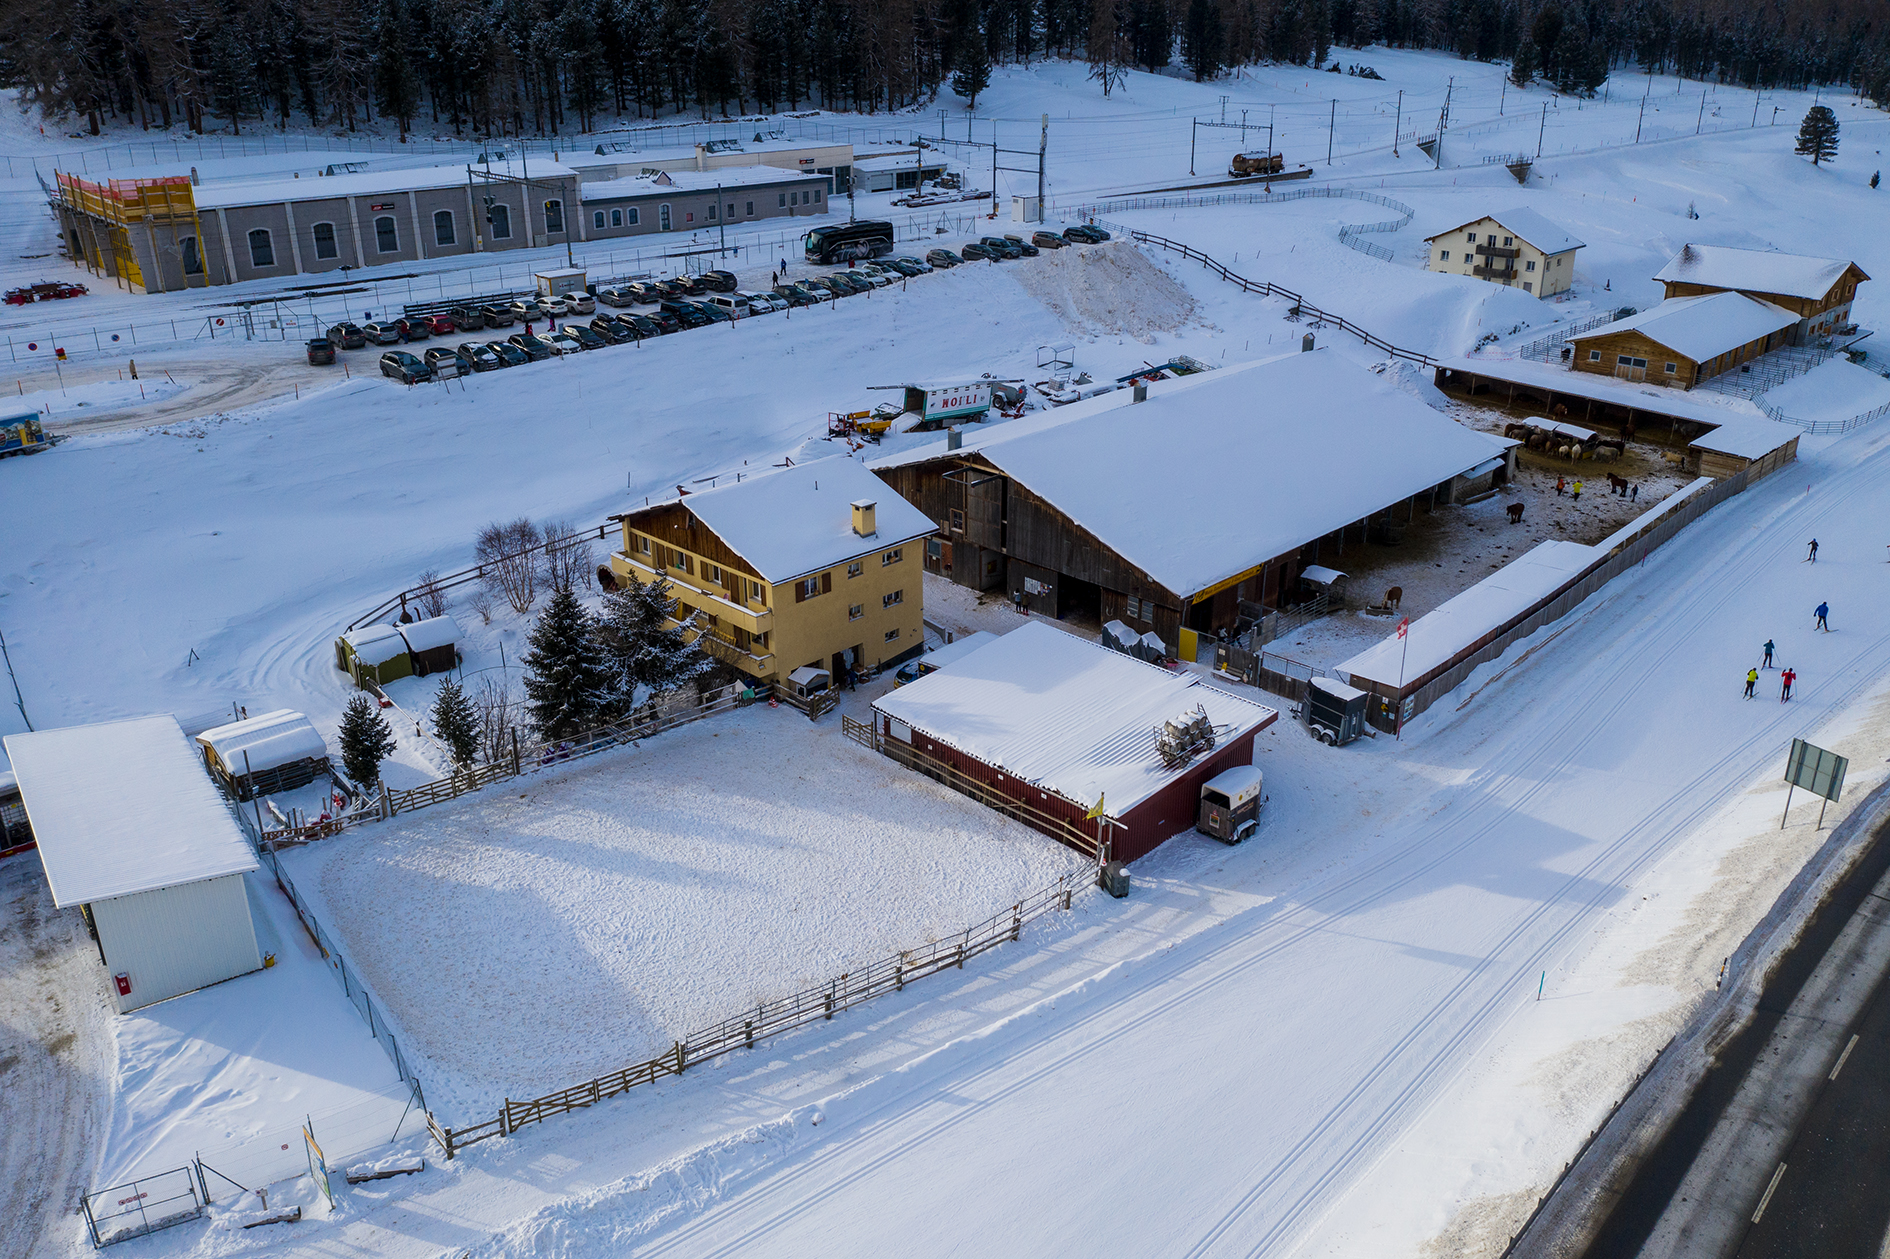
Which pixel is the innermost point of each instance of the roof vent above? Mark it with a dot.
(864, 511)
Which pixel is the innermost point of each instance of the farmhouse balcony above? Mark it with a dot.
(1494, 273)
(1498, 251)
(690, 596)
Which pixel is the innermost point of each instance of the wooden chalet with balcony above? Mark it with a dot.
(815, 565)
(1819, 291)
(1684, 340)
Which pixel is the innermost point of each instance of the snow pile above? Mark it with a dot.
(1832, 391)
(1107, 288)
(534, 936)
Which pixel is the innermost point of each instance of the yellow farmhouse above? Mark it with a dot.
(1518, 248)
(816, 565)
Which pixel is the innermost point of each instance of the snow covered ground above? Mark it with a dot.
(1323, 1042)
(588, 917)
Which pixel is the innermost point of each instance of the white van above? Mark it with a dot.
(736, 304)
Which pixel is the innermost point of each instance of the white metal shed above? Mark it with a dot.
(132, 831)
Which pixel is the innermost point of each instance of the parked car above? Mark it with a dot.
(404, 367)
(607, 327)
(720, 281)
(348, 336)
(692, 285)
(467, 318)
(438, 325)
(733, 304)
(580, 303)
(1085, 233)
(482, 357)
(587, 338)
(760, 303)
(1048, 240)
(414, 329)
(522, 309)
(437, 358)
(921, 264)
(871, 278)
(716, 314)
(321, 352)
(554, 305)
(382, 333)
(685, 312)
(793, 295)
(1001, 247)
(1023, 246)
(533, 346)
(906, 267)
(509, 355)
(975, 252)
(562, 343)
(646, 292)
(942, 258)
(496, 316)
(665, 322)
(619, 297)
(844, 284)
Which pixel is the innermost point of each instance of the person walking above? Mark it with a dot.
(1752, 680)
(1577, 495)
(1561, 483)
(1785, 692)
(1811, 553)
(1824, 610)
(1634, 492)
(1768, 654)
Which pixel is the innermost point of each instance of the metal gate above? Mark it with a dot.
(141, 1206)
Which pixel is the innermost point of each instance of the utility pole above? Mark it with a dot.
(1503, 96)
(1755, 107)
(721, 223)
(1443, 120)
(1194, 129)
(1637, 120)
(1043, 154)
(1540, 131)
(1701, 121)
(1332, 124)
(1397, 123)
(1223, 109)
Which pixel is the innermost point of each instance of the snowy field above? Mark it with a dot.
(1595, 811)
(593, 916)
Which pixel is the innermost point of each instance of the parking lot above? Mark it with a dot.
(845, 260)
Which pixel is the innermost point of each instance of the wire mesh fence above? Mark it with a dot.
(121, 1212)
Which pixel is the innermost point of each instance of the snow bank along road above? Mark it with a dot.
(1214, 1096)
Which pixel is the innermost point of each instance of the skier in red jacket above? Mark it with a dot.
(1788, 677)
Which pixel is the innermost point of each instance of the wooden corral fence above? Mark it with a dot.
(772, 1018)
(1060, 829)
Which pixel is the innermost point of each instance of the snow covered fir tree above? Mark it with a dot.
(565, 677)
(1818, 135)
(456, 723)
(643, 654)
(366, 741)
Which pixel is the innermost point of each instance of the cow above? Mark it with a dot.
(1515, 513)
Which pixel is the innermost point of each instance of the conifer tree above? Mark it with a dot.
(973, 74)
(640, 650)
(455, 723)
(1202, 39)
(1818, 135)
(366, 741)
(1522, 67)
(564, 672)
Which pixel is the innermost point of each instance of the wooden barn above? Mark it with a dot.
(276, 751)
(1168, 510)
(1053, 727)
(1818, 291)
(1684, 340)
(432, 645)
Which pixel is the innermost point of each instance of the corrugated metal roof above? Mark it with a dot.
(123, 807)
(1066, 714)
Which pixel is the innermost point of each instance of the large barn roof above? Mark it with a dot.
(799, 520)
(1701, 327)
(123, 807)
(1754, 270)
(1064, 713)
(1216, 474)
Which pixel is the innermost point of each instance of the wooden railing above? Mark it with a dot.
(772, 1018)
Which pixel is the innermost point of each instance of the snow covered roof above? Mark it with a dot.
(123, 807)
(376, 644)
(896, 162)
(723, 177)
(1754, 270)
(366, 184)
(1454, 625)
(438, 631)
(1219, 472)
(1701, 327)
(1069, 715)
(1704, 406)
(957, 649)
(1544, 234)
(799, 520)
(1747, 437)
(278, 738)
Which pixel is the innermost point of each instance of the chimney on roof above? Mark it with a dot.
(954, 438)
(1141, 392)
(864, 512)
(1306, 343)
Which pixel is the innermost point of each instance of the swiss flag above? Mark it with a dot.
(1403, 625)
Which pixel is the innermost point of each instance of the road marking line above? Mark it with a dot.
(1850, 1045)
(1767, 1199)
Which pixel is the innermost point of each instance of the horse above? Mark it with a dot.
(1617, 484)
(1515, 513)
(1394, 597)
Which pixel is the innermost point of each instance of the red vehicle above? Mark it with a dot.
(43, 292)
(439, 325)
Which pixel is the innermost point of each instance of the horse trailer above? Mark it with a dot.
(1230, 804)
(1333, 711)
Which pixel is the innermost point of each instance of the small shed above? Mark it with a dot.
(374, 655)
(132, 833)
(432, 644)
(559, 282)
(277, 751)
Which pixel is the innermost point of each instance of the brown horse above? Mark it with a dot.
(1617, 484)
(1394, 597)
(1515, 513)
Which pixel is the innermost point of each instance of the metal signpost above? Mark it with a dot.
(1817, 771)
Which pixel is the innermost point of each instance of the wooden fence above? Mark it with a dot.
(771, 1018)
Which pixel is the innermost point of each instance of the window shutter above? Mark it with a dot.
(826, 582)
(800, 592)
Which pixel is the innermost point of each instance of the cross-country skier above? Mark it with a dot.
(1752, 680)
(1768, 654)
(1824, 610)
(1785, 692)
(1811, 553)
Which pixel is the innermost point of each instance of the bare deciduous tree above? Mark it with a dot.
(497, 715)
(430, 598)
(509, 562)
(567, 555)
